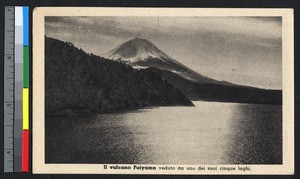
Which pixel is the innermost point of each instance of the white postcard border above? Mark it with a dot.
(38, 163)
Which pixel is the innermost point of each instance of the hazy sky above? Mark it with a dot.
(242, 50)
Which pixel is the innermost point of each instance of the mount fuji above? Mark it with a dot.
(143, 55)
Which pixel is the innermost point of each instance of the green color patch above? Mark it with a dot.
(25, 66)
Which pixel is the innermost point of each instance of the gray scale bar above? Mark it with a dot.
(17, 154)
(18, 91)
(18, 115)
(19, 35)
(19, 54)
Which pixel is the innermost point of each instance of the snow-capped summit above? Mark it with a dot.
(135, 50)
(141, 53)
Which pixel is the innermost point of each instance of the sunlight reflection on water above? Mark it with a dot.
(209, 133)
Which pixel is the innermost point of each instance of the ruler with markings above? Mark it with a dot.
(9, 69)
(16, 95)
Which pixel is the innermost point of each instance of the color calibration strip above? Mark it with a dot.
(16, 104)
(25, 134)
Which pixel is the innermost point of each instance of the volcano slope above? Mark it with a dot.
(142, 54)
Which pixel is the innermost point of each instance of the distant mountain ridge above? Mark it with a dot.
(218, 92)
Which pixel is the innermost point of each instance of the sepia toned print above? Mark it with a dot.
(126, 90)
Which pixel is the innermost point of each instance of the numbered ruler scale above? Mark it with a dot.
(16, 95)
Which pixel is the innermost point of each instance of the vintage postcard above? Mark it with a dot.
(192, 91)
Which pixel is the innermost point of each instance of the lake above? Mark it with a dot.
(209, 133)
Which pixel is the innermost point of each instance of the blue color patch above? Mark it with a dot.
(25, 26)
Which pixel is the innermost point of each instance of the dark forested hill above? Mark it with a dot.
(76, 80)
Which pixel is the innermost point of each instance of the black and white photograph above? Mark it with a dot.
(163, 90)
